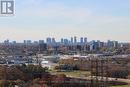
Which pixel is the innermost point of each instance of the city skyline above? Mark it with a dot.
(38, 19)
(73, 39)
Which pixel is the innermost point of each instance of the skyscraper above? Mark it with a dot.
(81, 40)
(6, 41)
(110, 44)
(115, 43)
(48, 40)
(99, 43)
(14, 42)
(53, 40)
(27, 41)
(93, 45)
(41, 41)
(75, 39)
(85, 40)
(62, 40)
(72, 40)
(24, 41)
(66, 41)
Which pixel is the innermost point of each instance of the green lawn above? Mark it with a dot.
(122, 86)
(73, 73)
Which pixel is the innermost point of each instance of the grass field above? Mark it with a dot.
(73, 73)
(122, 86)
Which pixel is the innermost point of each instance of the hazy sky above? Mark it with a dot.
(95, 19)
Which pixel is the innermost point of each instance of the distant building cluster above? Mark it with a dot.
(73, 45)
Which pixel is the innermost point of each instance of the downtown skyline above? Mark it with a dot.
(72, 39)
(38, 19)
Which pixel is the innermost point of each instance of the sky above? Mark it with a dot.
(96, 19)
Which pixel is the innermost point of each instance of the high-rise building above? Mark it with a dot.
(24, 41)
(14, 42)
(41, 41)
(93, 45)
(99, 43)
(36, 42)
(48, 40)
(6, 41)
(75, 39)
(66, 41)
(81, 40)
(53, 40)
(72, 40)
(62, 40)
(27, 41)
(110, 44)
(115, 43)
(85, 40)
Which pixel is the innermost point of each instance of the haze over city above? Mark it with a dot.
(38, 19)
(64, 43)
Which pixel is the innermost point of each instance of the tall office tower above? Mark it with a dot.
(66, 41)
(75, 39)
(41, 41)
(62, 40)
(85, 40)
(28, 41)
(53, 40)
(14, 42)
(72, 40)
(110, 44)
(99, 43)
(93, 45)
(115, 44)
(24, 41)
(102, 44)
(36, 42)
(48, 40)
(6, 42)
(81, 40)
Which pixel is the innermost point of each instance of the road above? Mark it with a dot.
(109, 79)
